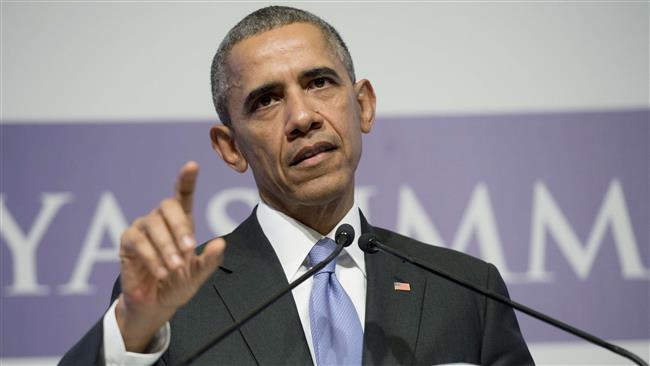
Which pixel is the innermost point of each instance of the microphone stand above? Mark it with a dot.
(341, 242)
(372, 245)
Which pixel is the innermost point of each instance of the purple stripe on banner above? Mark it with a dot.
(559, 202)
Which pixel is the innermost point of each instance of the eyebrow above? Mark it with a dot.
(274, 85)
(320, 71)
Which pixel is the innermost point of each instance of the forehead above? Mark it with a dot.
(277, 53)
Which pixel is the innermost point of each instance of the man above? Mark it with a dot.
(285, 89)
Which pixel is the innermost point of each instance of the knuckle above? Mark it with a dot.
(127, 245)
(133, 241)
(151, 221)
(168, 203)
(127, 250)
(124, 238)
(166, 247)
(138, 223)
(163, 205)
(154, 212)
(178, 227)
(128, 236)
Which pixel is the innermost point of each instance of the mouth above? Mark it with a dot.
(311, 152)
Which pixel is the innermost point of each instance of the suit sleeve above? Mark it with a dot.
(88, 351)
(503, 343)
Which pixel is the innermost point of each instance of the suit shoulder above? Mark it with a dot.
(443, 258)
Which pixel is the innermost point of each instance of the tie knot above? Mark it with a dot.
(320, 251)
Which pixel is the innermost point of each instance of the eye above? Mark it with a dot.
(264, 101)
(321, 82)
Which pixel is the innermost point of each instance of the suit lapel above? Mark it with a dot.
(253, 273)
(276, 335)
(392, 316)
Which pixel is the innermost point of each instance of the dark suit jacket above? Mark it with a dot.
(435, 322)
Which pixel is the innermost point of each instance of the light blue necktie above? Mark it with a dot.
(335, 327)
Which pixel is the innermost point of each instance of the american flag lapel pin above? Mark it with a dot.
(402, 286)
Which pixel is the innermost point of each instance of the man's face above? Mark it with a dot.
(296, 117)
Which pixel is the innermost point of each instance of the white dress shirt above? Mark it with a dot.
(292, 242)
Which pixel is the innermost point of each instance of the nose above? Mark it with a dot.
(301, 117)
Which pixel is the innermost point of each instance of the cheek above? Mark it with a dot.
(267, 156)
(338, 108)
(344, 117)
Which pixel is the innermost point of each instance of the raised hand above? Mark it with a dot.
(159, 268)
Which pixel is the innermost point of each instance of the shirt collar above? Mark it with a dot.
(292, 240)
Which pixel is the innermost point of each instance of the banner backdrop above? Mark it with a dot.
(559, 202)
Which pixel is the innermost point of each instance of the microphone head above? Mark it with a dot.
(344, 235)
(366, 243)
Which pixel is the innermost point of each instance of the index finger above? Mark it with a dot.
(185, 185)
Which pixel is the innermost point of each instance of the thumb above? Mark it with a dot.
(210, 259)
(185, 185)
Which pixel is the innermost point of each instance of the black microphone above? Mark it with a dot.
(343, 238)
(370, 244)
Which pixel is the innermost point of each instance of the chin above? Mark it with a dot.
(324, 190)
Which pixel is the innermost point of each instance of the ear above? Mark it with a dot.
(224, 143)
(367, 104)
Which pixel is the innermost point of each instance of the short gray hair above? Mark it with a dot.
(260, 21)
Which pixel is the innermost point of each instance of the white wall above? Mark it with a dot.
(149, 61)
